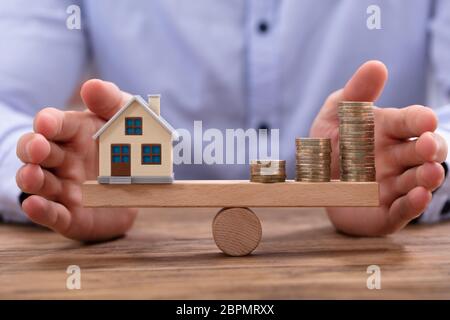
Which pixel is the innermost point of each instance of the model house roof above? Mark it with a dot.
(144, 105)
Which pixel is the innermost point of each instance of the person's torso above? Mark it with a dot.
(256, 63)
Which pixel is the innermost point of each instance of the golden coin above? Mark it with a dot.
(355, 103)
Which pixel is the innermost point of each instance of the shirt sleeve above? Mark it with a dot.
(41, 62)
(439, 208)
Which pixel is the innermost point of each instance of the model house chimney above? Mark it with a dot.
(154, 102)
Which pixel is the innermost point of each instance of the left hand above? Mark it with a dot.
(59, 156)
(408, 156)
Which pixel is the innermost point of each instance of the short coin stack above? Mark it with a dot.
(313, 159)
(267, 171)
(356, 141)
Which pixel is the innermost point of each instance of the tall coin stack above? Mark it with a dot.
(313, 159)
(268, 171)
(357, 141)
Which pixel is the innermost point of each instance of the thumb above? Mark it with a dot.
(366, 84)
(103, 98)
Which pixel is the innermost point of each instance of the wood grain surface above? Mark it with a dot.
(236, 231)
(170, 253)
(231, 193)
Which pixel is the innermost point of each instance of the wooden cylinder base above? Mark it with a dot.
(236, 231)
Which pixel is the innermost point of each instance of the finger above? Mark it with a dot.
(34, 148)
(32, 179)
(408, 207)
(430, 175)
(407, 122)
(429, 147)
(103, 98)
(47, 213)
(441, 154)
(57, 125)
(367, 82)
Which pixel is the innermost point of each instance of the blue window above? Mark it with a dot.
(151, 154)
(156, 149)
(156, 159)
(116, 159)
(146, 149)
(133, 126)
(120, 153)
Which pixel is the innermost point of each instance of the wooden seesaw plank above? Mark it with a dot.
(231, 193)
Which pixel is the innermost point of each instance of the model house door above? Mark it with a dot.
(120, 160)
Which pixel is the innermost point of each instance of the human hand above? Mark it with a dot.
(59, 156)
(407, 156)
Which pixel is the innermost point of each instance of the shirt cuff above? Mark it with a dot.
(439, 207)
(10, 208)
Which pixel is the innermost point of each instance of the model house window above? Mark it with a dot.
(151, 154)
(120, 153)
(133, 126)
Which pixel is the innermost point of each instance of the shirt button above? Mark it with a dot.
(263, 27)
(263, 126)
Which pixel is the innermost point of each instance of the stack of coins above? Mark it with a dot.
(267, 171)
(357, 141)
(313, 159)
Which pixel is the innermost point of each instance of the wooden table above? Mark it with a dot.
(170, 254)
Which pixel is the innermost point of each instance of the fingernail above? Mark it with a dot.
(27, 149)
(21, 176)
(438, 146)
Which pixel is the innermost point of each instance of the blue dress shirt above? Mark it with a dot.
(229, 63)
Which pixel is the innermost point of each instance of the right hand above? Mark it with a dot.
(408, 156)
(59, 156)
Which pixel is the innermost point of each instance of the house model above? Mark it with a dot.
(135, 145)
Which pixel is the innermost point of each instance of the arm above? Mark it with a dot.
(36, 49)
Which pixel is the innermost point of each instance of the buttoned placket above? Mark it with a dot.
(263, 72)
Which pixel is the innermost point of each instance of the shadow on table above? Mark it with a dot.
(302, 248)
